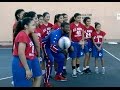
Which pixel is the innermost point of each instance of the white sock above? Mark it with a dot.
(64, 67)
(87, 67)
(43, 72)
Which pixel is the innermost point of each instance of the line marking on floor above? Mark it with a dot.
(111, 54)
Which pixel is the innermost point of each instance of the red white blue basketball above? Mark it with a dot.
(64, 42)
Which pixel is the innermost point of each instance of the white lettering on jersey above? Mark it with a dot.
(88, 33)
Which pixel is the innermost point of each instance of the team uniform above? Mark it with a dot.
(18, 71)
(59, 57)
(39, 32)
(76, 37)
(46, 30)
(88, 39)
(98, 40)
(56, 26)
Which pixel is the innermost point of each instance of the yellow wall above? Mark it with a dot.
(103, 12)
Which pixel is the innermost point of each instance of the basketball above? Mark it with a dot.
(64, 42)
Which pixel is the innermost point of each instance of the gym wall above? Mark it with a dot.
(103, 12)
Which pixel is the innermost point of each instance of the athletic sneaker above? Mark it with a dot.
(64, 76)
(60, 78)
(96, 70)
(88, 70)
(84, 71)
(103, 70)
(64, 72)
(74, 74)
(47, 85)
(79, 71)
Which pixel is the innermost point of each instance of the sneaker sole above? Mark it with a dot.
(79, 72)
(74, 76)
(61, 80)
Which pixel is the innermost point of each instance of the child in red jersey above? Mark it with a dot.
(18, 16)
(58, 19)
(35, 38)
(40, 19)
(25, 65)
(46, 28)
(77, 39)
(97, 52)
(88, 29)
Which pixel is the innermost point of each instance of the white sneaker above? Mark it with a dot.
(74, 74)
(103, 70)
(96, 70)
(79, 71)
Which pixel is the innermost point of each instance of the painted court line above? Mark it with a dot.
(5, 78)
(111, 54)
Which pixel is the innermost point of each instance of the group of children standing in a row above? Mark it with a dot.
(36, 50)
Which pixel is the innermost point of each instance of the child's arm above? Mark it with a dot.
(95, 44)
(101, 43)
(83, 39)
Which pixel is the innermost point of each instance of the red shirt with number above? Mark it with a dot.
(76, 31)
(88, 32)
(39, 32)
(29, 50)
(46, 29)
(98, 36)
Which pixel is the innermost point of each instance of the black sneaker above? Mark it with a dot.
(84, 71)
(88, 70)
(63, 76)
(64, 72)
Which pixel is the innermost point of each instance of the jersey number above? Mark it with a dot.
(78, 32)
(88, 35)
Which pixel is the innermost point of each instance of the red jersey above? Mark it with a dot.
(88, 31)
(98, 36)
(46, 29)
(30, 50)
(76, 31)
(39, 32)
(56, 26)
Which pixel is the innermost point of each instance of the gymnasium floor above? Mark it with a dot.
(110, 79)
